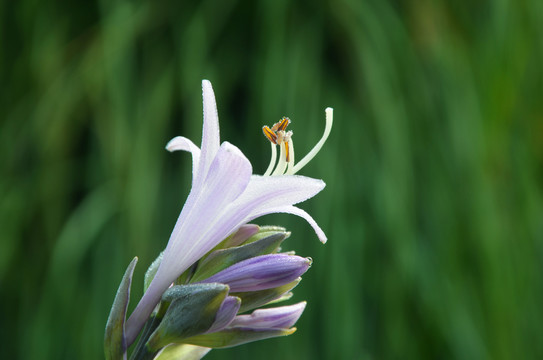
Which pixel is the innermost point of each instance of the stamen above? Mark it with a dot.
(270, 134)
(291, 155)
(272, 161)
(277, 136)
(329, 121)
(281, 164)
(281, 125)
(286, 151)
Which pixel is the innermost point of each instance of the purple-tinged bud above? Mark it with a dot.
(227, 312)
(262, 272)
(282, 317)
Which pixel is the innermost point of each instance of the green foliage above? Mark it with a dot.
(433, 168)
(114, 343)
(192, 311)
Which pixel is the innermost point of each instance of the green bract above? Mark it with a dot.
(114, 341)
(192, 310)
(236, 336)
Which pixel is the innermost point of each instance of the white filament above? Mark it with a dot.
(289, 166)
(282, 163)
(329, 121)
(290, 157)
(272, 161)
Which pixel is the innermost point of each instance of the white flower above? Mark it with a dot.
(224, 196)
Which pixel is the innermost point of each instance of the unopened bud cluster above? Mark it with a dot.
(244, 272)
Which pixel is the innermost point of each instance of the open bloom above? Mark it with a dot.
(224, 196)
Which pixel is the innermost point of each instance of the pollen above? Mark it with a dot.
(276, 134)
(270, 134)
(281, 125)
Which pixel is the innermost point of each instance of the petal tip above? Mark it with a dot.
(170, 145)
(323, 240)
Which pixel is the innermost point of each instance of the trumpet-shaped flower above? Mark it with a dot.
(224, 196)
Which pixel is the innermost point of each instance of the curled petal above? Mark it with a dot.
(294, 211)
(262, 196)
(274, 191)
(184, 144)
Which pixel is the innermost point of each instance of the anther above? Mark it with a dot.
(281, 125)
(270, 134)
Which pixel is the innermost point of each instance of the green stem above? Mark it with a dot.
(141, 351)
(144, 354)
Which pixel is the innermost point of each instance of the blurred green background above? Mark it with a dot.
(433, 205)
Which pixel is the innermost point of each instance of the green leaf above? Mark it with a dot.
(114, 342)
(183, 351)
(221, 259)
(266, 231)
(192, 311)
(236, 336)
(254, 299)
(151, 272)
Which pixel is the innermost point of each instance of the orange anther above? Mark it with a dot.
(270, 134)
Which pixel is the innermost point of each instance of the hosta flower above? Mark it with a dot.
(224, 196)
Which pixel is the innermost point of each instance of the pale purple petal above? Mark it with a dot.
(282, 317)
(264, 193)
(210, 131)
(184, 144)
(261, 272)
(181, 143)
(274, 191)
(293, 210)
(227, 178)
(227, 312)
